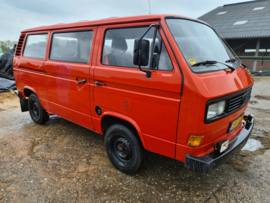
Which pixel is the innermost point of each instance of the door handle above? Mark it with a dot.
(97, 83)
(82, 81)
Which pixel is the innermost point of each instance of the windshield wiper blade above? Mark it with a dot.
(205, 63)
(230, 61)
(244, 65)
(212, 63)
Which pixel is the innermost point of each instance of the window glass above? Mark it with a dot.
(72, 46)
(198, 43)
(161, 59)
(119, 44)
(35, 46)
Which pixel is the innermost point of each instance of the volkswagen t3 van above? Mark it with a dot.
(161, 83)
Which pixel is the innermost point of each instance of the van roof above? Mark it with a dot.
(106, 21)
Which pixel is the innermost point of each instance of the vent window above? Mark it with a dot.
(258, 8)
(240, 22)
(221, 13)
(19, 45)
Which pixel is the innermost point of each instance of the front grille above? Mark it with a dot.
(238, 101)
(234, 102)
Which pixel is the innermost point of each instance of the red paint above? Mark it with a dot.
(163, 119)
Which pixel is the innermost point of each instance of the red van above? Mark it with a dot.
(161, 83)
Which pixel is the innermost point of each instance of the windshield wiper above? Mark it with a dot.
(233, 60)
(230, 61)
(212, 63)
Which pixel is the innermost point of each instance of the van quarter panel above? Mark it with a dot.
(28, 72)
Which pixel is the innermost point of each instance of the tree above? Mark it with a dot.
(7, 45)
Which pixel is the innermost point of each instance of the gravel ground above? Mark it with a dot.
(63, 162)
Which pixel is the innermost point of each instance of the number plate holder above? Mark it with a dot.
(235, 123)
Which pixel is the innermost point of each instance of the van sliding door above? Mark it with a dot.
(67, 71)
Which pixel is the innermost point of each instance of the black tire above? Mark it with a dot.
(37, 113)
(124, 149)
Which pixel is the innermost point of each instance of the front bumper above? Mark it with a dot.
(206, 163)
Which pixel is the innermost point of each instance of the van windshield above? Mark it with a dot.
(198, 42)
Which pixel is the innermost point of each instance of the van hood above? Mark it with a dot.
(220, 83)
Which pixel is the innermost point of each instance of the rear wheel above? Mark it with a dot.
(37, 113)
(124, 149)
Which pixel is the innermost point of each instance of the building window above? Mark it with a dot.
(221, 13)
(250, 51)
(240, 22)
(258, 8)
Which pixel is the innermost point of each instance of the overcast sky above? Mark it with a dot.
(18, 15)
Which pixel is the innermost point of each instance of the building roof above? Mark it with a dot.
(241, 20)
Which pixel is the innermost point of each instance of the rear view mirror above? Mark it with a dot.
(141, 52)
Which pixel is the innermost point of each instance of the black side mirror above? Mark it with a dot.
(141, 52)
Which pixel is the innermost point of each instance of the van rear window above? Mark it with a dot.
(35, 46)
(71, 46)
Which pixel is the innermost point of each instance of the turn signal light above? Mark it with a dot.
(195, 141)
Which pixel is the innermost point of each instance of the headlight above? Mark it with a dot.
(216, 109)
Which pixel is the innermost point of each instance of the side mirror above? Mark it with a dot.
(141, 52)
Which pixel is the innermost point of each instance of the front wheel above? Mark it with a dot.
(37, 113)
(124, 149)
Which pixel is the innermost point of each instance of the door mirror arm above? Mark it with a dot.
(153, 46)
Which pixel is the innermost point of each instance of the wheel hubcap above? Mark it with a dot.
(35, 109)
(122, 149)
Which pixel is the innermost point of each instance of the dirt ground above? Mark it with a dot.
(63, 162)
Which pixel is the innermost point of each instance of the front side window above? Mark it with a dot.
(35, 46)
(198, 42)
(119, 44)
(71, 46)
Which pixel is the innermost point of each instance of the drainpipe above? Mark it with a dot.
(256, 54)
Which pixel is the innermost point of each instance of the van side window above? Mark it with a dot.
(71, 46)
(161, 59)
(35, 46)
(119, 43)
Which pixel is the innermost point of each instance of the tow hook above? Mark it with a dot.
(249, 120)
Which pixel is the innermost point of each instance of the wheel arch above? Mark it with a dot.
(27, 91)
(110, 118)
